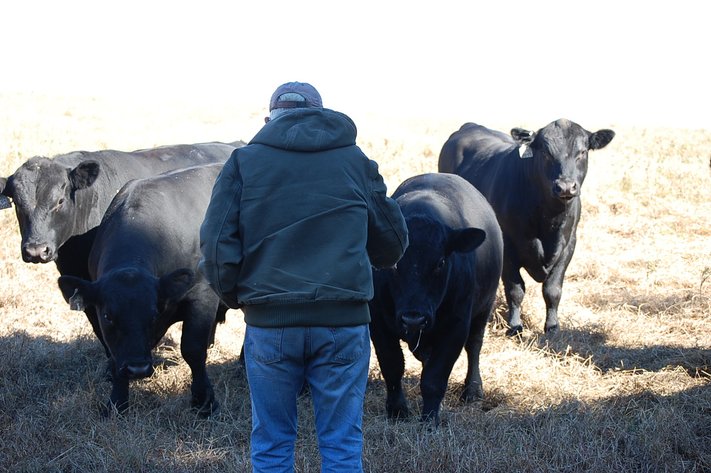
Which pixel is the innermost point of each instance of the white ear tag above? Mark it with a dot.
(76, 302)
(525, 152)
(5, 202)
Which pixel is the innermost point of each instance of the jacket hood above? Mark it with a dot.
(308, 129)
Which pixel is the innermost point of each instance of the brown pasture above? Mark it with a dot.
(624, 386)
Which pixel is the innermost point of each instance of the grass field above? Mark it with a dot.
(624, 386)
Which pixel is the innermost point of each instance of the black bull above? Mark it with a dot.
(441, 293)
(143, 279)
(59, 202)
(533, 182)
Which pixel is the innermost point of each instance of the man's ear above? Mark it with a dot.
(79, 293)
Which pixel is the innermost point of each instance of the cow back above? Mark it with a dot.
(155, 221)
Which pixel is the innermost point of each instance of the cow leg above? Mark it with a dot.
(436, 370)
(392, 366)
(118, 400)
(197, 330)
(515, 289)
(220, 317)
(473, 390)
(553, 288)
(435, 375)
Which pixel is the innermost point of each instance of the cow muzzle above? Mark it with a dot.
(136, 370)
(566, 189)
(413, 323)
(37, 253)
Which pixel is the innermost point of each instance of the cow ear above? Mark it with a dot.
(601, 138)
(78, 292)
(465, 240)
(522, 136)
(173, 286)
(84, 174)
(5, 202)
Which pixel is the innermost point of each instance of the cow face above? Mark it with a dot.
(45, 197)
(129, 304)
(420, 280)
(560, 156)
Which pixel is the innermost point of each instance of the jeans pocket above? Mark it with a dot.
(350, 343)
(264, 344)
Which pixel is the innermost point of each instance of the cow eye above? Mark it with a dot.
(107, 318)
(59, 205)
(440, 265)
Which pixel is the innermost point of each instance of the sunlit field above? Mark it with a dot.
(624, 385)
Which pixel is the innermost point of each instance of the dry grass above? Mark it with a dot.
(623, 387)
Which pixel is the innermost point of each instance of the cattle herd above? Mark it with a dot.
(123, 230)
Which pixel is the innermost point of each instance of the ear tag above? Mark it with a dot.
(525, 152)
(76, 302)
(5, 202)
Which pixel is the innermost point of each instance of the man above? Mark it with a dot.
(296, 219)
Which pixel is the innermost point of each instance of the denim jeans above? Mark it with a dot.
(334, 362)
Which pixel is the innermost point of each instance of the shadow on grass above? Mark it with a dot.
(40, 370)
(49, 389)
(591, 346)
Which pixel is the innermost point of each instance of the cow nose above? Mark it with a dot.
(565, 189)
(413, 322)
(36, 253)
(136, 370)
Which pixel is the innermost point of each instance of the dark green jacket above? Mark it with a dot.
(296, 219)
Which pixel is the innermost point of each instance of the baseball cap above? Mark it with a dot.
(311, 97)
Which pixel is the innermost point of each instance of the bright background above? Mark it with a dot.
(598, 63)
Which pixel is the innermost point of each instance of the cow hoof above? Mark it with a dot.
(110, 409)
(552, 330)
(206, 409)
(397, 413)
(515, 330)
(430, 421)
(471, 395)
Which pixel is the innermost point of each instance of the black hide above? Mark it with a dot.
(440, 295)
(533, 182)
(143, 279)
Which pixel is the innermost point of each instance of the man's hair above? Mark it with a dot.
(291, 96)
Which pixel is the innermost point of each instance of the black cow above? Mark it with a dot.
(441, 293)
(60, 201)
(533, 182)
(144, 278)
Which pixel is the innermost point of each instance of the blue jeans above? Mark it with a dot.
(334, 362)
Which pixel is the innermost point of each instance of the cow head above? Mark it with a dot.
(45, 196)
(559, 152)
(129, 304)
(420, 280)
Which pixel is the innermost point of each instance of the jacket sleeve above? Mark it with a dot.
(220, 242)
(387, 231)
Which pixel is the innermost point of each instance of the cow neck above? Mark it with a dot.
(90, 210)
